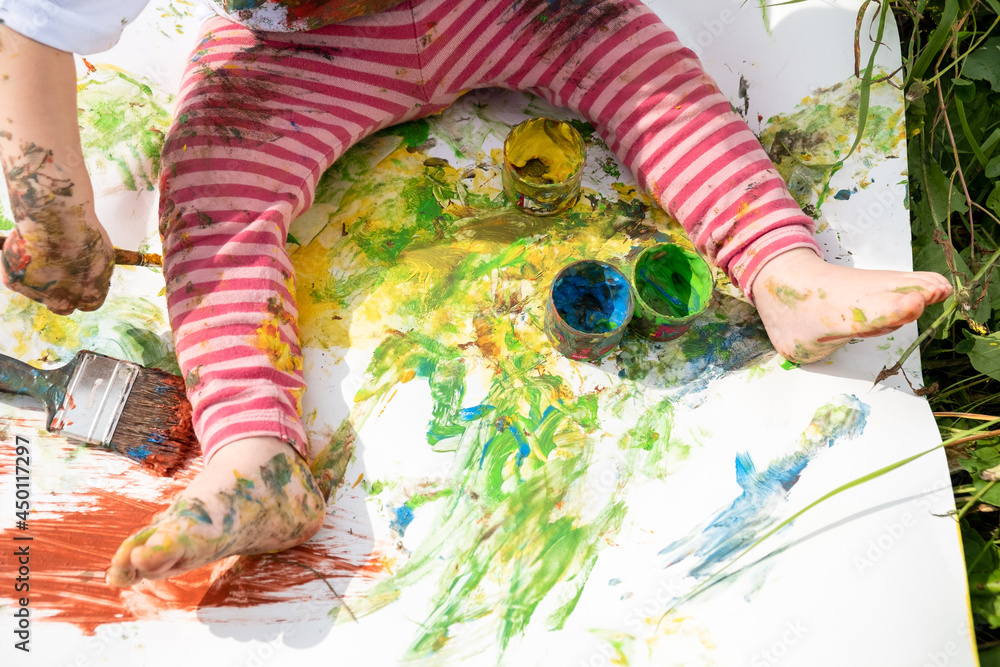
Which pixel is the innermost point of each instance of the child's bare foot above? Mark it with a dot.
(255, 496)
(811, 308)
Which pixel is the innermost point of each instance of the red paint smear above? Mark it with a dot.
(70, 555)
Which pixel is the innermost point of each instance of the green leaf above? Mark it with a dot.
(965, 90)
(991, 656)
(993, 168)
(982, 562)
(985, 355)
(939, 185)
(932, 258)
(993, 201)
(984, 63)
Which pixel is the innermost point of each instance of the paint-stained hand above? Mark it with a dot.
(59, 255)
(62, 274)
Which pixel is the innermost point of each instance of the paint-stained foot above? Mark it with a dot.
(255, 496)
(811, 308)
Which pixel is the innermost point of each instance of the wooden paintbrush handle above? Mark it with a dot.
(126, 257)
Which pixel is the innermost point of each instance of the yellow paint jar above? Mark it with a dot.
(543, 166)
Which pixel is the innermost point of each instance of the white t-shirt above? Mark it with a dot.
(92, 26)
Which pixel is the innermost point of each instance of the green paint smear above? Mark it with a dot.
(508, 516)
(128, 328)
(822, 131)
(124, 121)
(414, 134)
(457, 280)
(5, 222)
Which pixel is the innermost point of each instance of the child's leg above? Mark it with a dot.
(258, 122)
(617, 64)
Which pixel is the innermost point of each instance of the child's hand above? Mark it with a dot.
(60, 254)
(61, 273)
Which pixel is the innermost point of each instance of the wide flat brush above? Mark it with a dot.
(117, 405)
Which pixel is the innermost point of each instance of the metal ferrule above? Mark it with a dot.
(95, 397)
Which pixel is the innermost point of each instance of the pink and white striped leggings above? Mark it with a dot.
(262, 115)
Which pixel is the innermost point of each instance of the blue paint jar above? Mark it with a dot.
(589, 308)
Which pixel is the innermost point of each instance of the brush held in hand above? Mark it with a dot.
(116, 405)
(125, 257)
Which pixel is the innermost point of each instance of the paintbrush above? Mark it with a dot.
(116, 405)
(125, 257)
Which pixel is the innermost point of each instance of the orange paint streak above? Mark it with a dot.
(72, 547)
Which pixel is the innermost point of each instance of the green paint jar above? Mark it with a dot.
(673, 286)
(543, 163)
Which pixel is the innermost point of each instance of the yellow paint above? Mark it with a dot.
(556, 144)
(55, 329)
(268, 340)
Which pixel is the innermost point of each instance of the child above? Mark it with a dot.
(269, 101)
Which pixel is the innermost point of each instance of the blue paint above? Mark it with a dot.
(485, 448)
(592, 297)
(681, 306)
(845, 195)
(614, 582)
(403, 518)
(139, 453)
(755, 510)
(474, 413)
(524, 449)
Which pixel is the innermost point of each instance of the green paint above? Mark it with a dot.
(129, 328)
(414, 134)
(5, 222)
(673, 283)
(123, 121)
(909, 289)
(277, 473)
(822, 130)
(787, 295)
(445, 280)
(789, 365)
(859, 315)
(424, 498)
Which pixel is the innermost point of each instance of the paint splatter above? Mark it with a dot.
(122, 125)
(823, 130)
(753, 512)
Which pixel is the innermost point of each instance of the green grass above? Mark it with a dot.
(952, 74)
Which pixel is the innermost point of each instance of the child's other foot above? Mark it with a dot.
(255, 496)
(811, 308)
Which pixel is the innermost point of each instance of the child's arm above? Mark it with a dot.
(59, 254)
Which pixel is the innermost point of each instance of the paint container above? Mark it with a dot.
(590, 305)
(543, 165)
(673, 286)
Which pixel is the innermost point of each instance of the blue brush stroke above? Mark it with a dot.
(845, 195)
(485, 448)
(753, 512)
(673, 300)
(473, 413)
(403, 518)
(523, 447)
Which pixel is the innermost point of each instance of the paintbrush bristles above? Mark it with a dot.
(155, 425)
